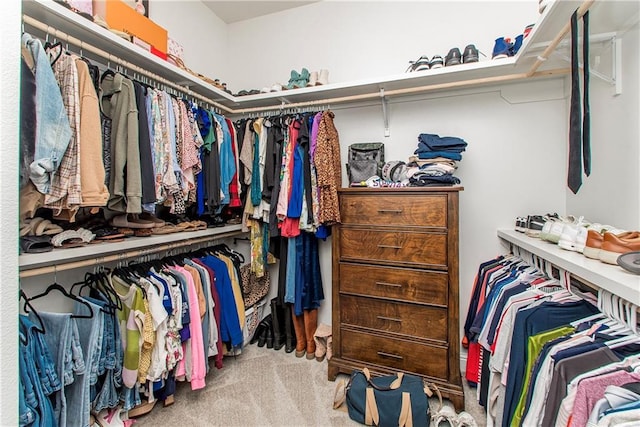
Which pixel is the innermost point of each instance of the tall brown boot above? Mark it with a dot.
(301, 340)
(310, 325)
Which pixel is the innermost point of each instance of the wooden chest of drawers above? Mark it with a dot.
(395, 285)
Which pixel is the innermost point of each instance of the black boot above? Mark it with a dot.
(290, 336)
(266, 329)
(277, 315)
(257, 333)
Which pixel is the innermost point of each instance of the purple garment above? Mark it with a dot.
(314, 133)
(590, 390)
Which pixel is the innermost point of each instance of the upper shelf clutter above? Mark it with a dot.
(606, 16)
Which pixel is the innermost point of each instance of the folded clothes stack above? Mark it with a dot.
(435, 160)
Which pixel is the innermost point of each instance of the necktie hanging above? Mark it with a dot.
(579, 130)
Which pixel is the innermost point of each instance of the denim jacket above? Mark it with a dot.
(53, 132)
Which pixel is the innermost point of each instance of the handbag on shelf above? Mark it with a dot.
(364, 161)
(386, 401)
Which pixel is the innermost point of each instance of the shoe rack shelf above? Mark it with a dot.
(132, 247)
(534, 60)
(611, 278)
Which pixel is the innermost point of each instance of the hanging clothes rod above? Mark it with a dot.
(109, 57)
(124, 255)
(532, 73)
(584, 7)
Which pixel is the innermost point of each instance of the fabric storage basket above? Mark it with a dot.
(253, 316)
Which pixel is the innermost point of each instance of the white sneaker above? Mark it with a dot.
(574, 236)
(323, 77)
(554, 229)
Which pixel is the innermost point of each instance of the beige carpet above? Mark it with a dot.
(263, 387)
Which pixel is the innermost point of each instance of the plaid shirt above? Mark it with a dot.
(65, 186)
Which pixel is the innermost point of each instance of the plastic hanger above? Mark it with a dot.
(63, 291)
(27, 303)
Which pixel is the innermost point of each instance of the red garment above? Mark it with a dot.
(234, 194)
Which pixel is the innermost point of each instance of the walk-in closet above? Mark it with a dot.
(217, 212)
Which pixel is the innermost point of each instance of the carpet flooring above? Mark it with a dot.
(263, 387)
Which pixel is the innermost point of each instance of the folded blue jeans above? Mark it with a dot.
(434, 142)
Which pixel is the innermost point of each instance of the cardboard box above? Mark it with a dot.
(120, 16)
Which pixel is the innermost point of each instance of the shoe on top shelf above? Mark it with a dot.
(454, 57)
(595, 238)
(470, 54)
(420, 64)
(553, 228)
(521, 224)
(436, 62)
(615, 245)
(534, 225)
(504, 47)
(574, 236)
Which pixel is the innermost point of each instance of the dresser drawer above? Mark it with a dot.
(402, 284)
(394, 210)
(408, 247)
(395, 353)
(400, 318)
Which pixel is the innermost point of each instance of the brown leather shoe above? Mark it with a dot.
(595, 239)
(301, 340)
(614, 245)
(310, 325)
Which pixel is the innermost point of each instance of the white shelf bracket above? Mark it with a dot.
(385, 114)
(616, 63)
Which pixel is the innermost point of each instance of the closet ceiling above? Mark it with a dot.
(239, 10)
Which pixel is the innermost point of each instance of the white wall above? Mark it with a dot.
(515, 161)
(9, 122)
(610, 194)
(202, 34)
(359, 39)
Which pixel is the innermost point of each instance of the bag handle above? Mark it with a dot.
(371, 415)
(339, 400)
(393, 386)
(406, 414)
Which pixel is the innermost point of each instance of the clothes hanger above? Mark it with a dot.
(27, 303)
(56, 287)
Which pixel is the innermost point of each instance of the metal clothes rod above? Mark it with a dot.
(123, 255)
(109, 57)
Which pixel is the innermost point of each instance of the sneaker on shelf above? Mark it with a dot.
(501, 48)
(527, 30)
(436, 62)
(615, 245)
(420, 64)
(542, 4)
(534, 225)
(555, 229)
(516, 45)
(550, 219)
(453, 57)
(595, 238)
(470, 54)
(574, 236)
(521, 224)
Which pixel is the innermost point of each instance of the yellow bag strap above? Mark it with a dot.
(396, 383)
(429, 393)
(406, 416)
(371, 416)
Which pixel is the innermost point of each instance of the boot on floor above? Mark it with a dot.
(277, 315)
(289, 333)
(301, 340)
(322, 337)
(310, 325)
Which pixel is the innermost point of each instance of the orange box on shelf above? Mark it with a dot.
(121, 16)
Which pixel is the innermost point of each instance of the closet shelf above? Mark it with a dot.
(132, 247)
(530, 62)
(612, 278)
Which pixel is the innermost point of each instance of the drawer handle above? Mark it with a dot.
(392, 285)
(389, 210)
(390, 246)
(393, 356)
(390, 319)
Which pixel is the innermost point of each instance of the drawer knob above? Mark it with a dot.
(393, 356)
(391, 285)
(390, 319)
(390, 247)
(389, 210)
